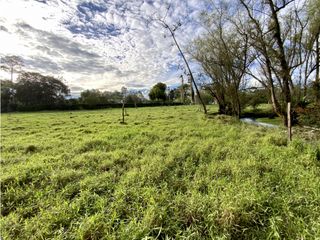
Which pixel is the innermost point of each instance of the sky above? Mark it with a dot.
(99, 44)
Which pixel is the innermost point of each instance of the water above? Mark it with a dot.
(254, 122)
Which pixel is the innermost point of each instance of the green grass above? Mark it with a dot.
(275, 121)
(168, 173)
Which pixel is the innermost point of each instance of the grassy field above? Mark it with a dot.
(169, 173)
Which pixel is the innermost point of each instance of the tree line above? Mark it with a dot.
(33, 91)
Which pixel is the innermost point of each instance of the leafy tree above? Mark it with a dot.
(206, 97)
(92, 97)
(255, 96)
(35, 89)
(158, 92)
(112, 97)
(223, 55)
(7, 95)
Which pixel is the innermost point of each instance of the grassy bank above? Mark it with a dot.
(167, 173)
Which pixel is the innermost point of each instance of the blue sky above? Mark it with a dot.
(102, 44)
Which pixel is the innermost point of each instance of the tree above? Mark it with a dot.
(158, 92)
(34, 89)
(206, 97)
(223, 54)
(112, 97)
(275, 38)
(11, 63)
(7, 96)
(134, 97)
(314, 43)
(172, 30)
(92, 97)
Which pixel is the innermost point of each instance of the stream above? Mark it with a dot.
(254, 122)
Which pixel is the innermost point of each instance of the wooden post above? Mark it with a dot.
(182, 90)
(289, 122)
(122, 111)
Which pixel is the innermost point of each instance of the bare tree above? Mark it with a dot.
(172, 30)
(314, 43)
(11, 63)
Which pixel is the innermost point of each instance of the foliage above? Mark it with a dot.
(135, 98)
(275, 43)
(181, 94)
(92, 97)
(206, 97)
(35, 89)
(158, 92)
(168, 174)
(7, 95)
(309, 116)
(96, 97)
(223, 55)
(255, 97)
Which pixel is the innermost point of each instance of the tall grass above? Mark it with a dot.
(169, 173)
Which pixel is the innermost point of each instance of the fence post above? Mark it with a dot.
(289, 121)
(122, 111)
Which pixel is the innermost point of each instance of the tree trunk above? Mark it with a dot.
(285, 71)
(188, 67)
(192, 93)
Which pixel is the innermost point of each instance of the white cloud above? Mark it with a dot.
(97, 44)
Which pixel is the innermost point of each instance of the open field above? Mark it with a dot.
(168, 173)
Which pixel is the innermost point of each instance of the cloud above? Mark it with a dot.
(101, 44)
(3, 28)
(50, 40)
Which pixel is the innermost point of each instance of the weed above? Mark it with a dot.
(30, 149)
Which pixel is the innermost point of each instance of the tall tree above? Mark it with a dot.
(11, 63)
(314, 42)
(172, 30)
